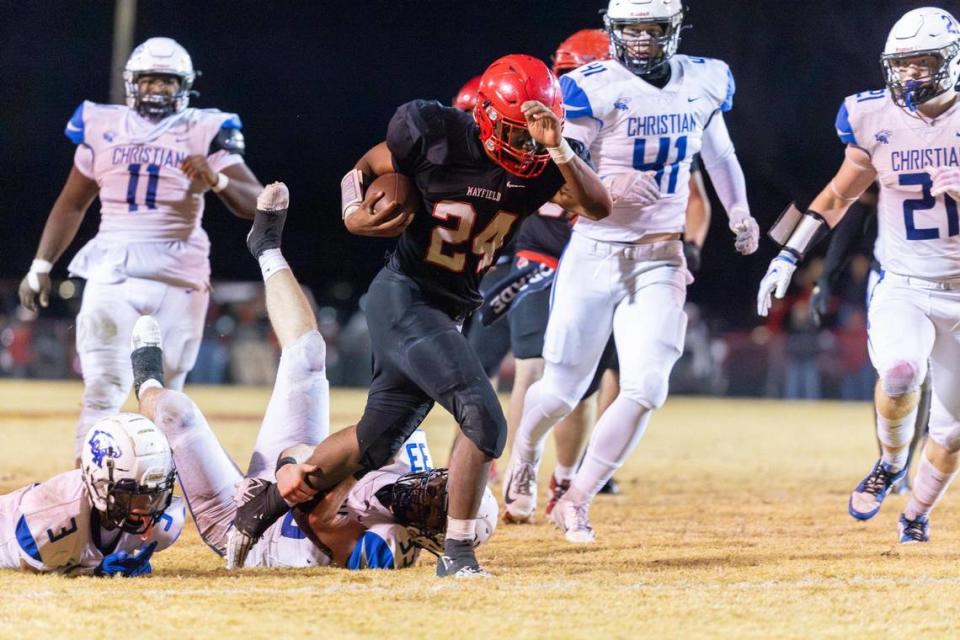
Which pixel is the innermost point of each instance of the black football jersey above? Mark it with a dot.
(547, 232)
(470, 206)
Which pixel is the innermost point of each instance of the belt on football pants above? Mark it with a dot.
(948, 284)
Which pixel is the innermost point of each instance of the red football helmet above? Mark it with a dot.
(504, 87)
(581, 48)
(466, 98)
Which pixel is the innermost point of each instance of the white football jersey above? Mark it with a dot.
(150, 212)
(631, 125)
(917, 234)
(285, 545)
(52, 526)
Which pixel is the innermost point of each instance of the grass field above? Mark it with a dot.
(732, 524)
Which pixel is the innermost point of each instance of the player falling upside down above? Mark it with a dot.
(106, 518)
(150, 162)
(380, 521)
(477, 178)
(902, 137)
(643, 115)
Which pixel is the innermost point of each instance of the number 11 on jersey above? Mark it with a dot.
(153, 179)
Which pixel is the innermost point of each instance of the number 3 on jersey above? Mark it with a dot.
(485, 243)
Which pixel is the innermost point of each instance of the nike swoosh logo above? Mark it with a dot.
(506, 494)
(516, 186)
(692, 99)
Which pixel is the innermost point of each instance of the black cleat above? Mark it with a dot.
(459, 561)
(147, 353)
(260, 505)
(272, 205)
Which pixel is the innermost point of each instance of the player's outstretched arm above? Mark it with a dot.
(582, 193)
(60, 230)
(825, 212)
(357, 207)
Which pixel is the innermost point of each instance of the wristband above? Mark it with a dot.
(351, 192)
(37, 267)
(284, 461)
(562, 153)
(222, 182)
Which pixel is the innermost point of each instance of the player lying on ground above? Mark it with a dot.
(378, 521)
(106, 518)
(477, 177)
(151, 163)
(904, 138)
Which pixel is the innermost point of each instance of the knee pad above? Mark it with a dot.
(651, 389)
(481, 418)
(307, 354)
(174, 413)
(901, 377)
(378, 444)
(105, 393)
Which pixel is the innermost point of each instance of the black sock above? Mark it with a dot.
(147, 365)
(266, 231)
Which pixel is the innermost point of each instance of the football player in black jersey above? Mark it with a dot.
(477, 177)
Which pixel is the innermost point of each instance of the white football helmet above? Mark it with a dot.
(487, 518)
(159, 56)
(925, 31)
(128, 470)
(632, 52)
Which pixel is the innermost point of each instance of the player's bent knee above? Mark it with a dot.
(308, 353)
(175, 413)
(481, 419)
(901, 377)
(104, 393)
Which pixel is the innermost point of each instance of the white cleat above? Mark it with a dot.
(275, 196)
(146, 333)
(519, 492)
(574, 520)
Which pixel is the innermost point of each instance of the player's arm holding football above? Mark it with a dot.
(855, 176)
(58, 232)
(358, 212)
(582, 191)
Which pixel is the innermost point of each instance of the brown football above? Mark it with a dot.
(399, 187)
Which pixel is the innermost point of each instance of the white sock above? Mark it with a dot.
(561, 472)
(895, 436)
(614, 438)
(928, 485)
(541, 411)
(272, 261)
(458, 529)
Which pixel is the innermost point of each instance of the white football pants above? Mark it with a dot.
(912, 321)
(105, 326)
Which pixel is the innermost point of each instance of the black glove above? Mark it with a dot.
(692, 253)
(819, 301)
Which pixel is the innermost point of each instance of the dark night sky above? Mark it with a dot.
(316, 82)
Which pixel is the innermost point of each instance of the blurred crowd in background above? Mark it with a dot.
(788, 356)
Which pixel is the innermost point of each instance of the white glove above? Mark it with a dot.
(633, 188)
(946, 180)
(776, 281)
(748, 235)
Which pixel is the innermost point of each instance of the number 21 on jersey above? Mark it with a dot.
(464, 216)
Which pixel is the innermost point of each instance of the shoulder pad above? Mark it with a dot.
(228, 139)
(54, 523)
(852, 112)
(423, 130)
(75, 126)
(716, 77)
(170, 525)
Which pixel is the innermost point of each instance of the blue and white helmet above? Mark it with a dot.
(920, 32)
(631, 51)
(159, 56)
(128, 470)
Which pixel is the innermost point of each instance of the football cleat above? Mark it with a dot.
(556, 491)
(146, 355)
(259, 505)
(459, 561)
(574, 520)
(916, 530)
(267, 229)
(866, 499)
(519, 492)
